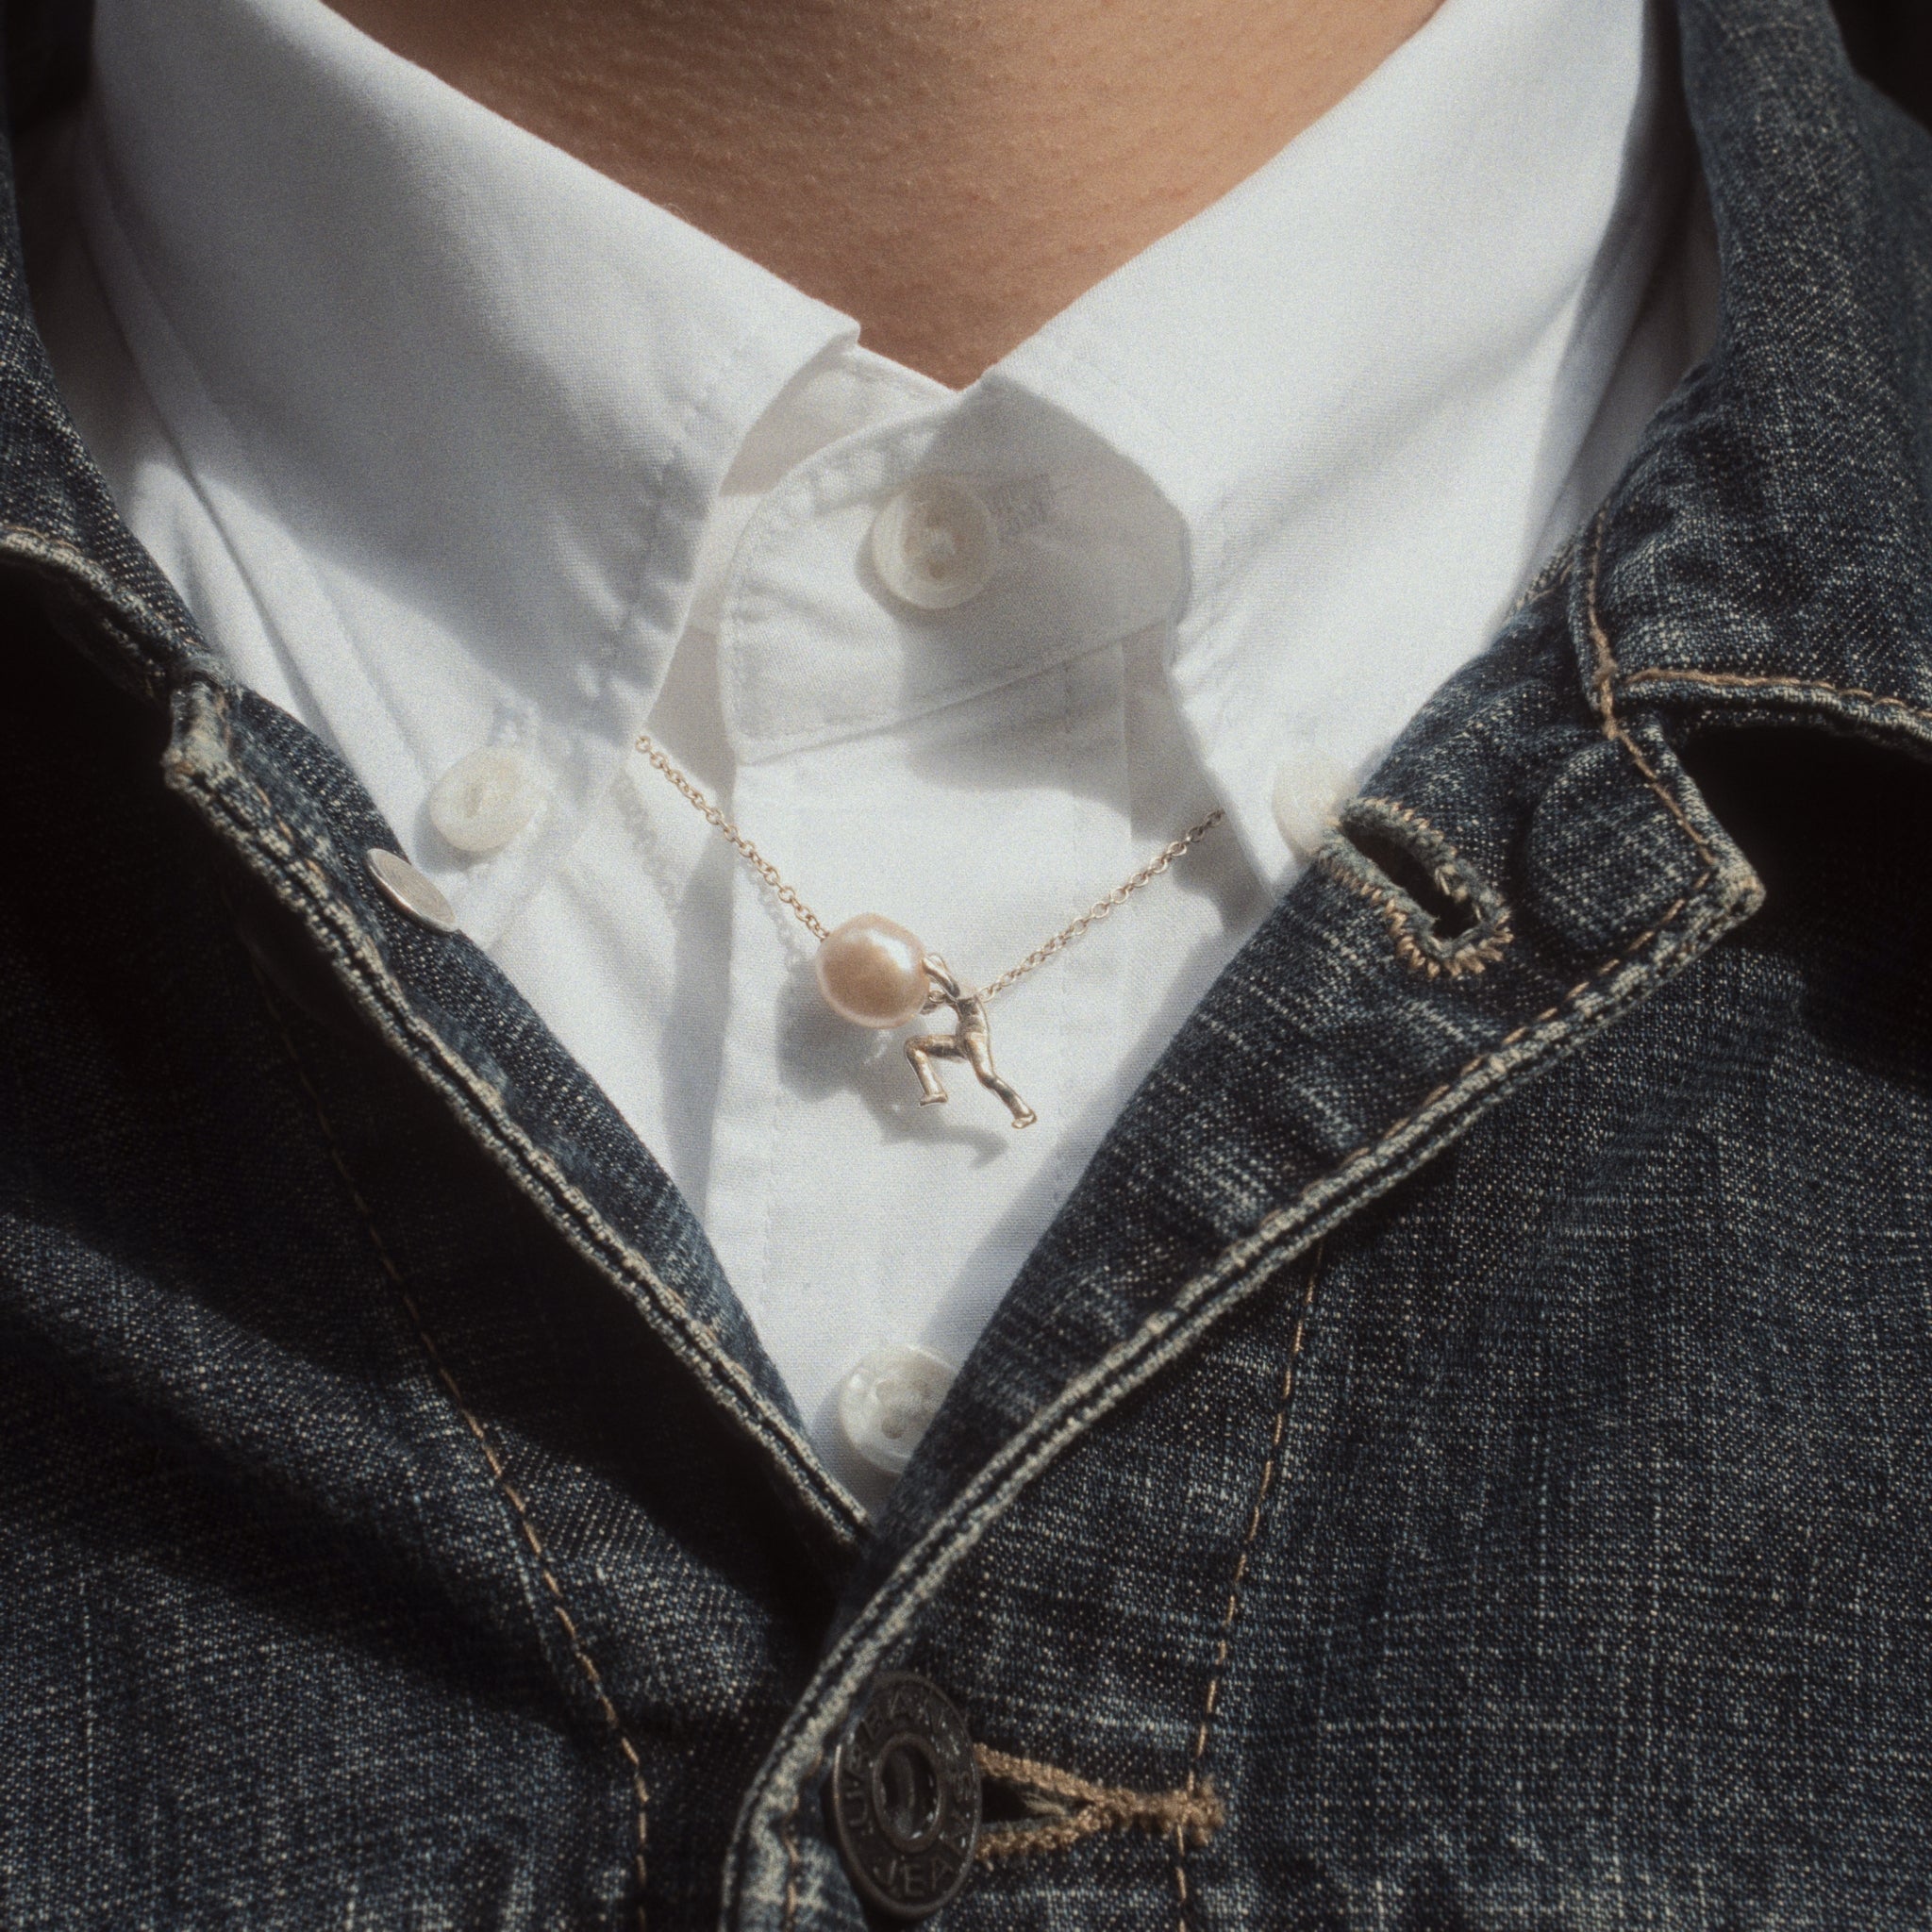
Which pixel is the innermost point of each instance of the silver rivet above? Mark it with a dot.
(411, 891)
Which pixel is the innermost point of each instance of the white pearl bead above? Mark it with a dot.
(870, 972)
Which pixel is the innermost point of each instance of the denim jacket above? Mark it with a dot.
(1461, 1459)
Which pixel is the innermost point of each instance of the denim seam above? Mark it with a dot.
(1759, 680)
(493, 1456)
(1257, 1515)
(789, 1833)
(1194, 1815)
(1604, 682)
(593, 1235)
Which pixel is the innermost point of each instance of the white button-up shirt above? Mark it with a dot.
(478, 463)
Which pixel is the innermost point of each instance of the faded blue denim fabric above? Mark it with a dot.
(1461, 1459)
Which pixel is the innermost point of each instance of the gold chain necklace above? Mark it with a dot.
(874, 972)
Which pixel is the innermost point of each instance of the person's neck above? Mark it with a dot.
(951, 172)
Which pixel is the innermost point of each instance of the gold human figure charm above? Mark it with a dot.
(970, 1040)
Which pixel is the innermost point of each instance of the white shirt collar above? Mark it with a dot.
(1415, 313)
(407, 345)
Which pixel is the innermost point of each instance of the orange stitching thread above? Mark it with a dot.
(1257, 1516)
(1604, 683)
(1410, 816)
(1457, 958)
(1196, 1815)
(1748, 681)
(789, 1833)
(1475, 958)
(499, 1473)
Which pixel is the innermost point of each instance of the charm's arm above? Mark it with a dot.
(945, 989)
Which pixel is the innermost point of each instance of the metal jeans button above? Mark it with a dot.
(906, 1797)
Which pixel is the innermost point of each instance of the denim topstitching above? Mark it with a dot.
(829, 1503)
(1264, 1488)
(1759, 680)
(499, 1473)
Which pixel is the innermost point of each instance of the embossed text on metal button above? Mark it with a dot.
(906, 1797)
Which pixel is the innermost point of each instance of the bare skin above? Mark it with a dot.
(951, 172)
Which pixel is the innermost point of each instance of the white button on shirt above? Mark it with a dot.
(1308, 787)
(484, 800)
(935, 544)
(477, 463)
(886, 1403)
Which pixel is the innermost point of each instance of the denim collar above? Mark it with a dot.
(1765, 549)
(1768, 546)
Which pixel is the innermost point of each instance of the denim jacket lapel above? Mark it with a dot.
(283, 803)
(1524, 868)
(1533, 860)
(1767, 548)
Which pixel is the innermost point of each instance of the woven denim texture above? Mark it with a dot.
(1459, 1461)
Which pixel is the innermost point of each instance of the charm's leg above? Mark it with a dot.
(921, 1050)
(980, 1055)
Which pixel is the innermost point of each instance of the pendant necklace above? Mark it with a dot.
(874, 972)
